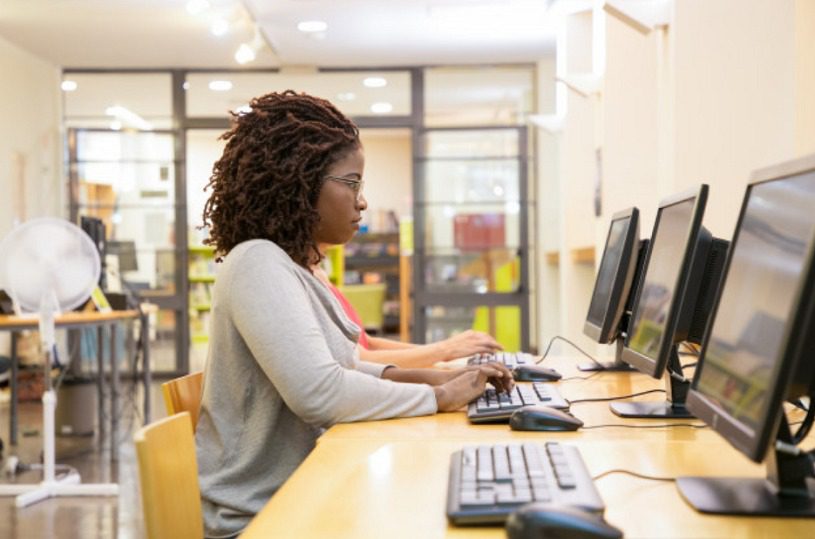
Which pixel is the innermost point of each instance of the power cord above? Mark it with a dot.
(592, 375)
(635, 474)
(564, 339)
(606, 399)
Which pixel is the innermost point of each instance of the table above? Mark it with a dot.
(389, 478)
(74, 320)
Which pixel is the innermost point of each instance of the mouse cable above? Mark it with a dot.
(606, 399)
(564, 339)
(661, 426)
(635, 474)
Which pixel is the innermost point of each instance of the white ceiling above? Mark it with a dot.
(162, 33)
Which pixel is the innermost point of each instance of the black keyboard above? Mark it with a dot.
(510, 359)
(488, 482)
(493, 407)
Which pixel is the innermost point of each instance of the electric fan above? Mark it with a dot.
(49, 265)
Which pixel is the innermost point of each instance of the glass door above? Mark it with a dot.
(471, 238)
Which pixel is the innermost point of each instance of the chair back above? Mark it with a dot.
(168, 475)
(184, 395)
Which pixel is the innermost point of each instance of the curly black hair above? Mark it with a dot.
(266, 183)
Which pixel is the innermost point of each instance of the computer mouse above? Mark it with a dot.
(539, 520)
(543, 418)
(535, 373)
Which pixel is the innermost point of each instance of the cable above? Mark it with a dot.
(606, 399)
(635, 474)
(592, 375)
(805, 427)
(661, 426)
(564, 339)
(689, 365)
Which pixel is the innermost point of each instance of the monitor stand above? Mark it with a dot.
(787, 491)
(618, 365)
(673, 407)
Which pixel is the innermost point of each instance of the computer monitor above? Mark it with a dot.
(758, 351)
(126, 252)
(609, 308)
(673, 299)
(95, 229)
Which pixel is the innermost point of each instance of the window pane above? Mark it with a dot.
(496, 270)
(503, 322)
(119, 100)
(346, 90)
(457, 96)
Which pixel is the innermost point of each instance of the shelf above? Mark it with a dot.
(583, 255)
(352, 262)
(552, 258)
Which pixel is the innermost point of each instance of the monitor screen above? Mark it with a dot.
(614, 277)
(743, 353)
(664, 282)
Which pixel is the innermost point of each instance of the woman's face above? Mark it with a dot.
(339, 206)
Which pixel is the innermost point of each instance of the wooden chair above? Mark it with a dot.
(168, 473)
(184, 395)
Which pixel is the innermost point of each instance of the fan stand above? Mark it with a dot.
(70, 484)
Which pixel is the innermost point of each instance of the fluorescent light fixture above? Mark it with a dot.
(220, 85)
(219, 27)
(68, 85)
(381, 107)
(312, 26)
(244, 54)
(374, 82)
(196, 7)
(128, 117)
(346, 96)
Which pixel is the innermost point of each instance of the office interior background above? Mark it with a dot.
(545, 117)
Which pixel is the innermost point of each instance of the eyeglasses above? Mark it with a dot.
(355, 185)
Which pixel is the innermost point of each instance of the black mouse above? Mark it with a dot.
(538, 520)
(543, 418)
(535, 373)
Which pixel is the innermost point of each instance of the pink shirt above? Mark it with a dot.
(352, 314)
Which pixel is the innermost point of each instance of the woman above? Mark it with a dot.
(283, 361)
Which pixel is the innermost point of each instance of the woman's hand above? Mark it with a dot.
(466, 344)
(469, 383)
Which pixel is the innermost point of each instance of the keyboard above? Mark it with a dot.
(488, 482)
(493, 407)
(510, 359)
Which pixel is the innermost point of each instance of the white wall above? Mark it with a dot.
(30, 140)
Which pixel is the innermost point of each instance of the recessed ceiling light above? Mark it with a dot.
(375, 82)
(244, 54)
(346, 96)
(219, 27)
(381, 108)
(116, 125)
(68, 85)
(196, 7)
(220, 85)
(186, 85)
(312, 26)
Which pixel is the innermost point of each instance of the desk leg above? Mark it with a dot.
(114, 394)
(12, 435)
(100, 374)
(145, 354)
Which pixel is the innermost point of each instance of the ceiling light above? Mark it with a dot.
(220, 85)
(243, 109)
(312, 26)
(196, 7)
(219, 27)
(381, 108)
(244, 54)
(375, 82)
(346, 96)
(127, 117)
(68, 85)
(116, 125)
(186, 85)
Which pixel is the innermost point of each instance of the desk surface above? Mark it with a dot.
(8, 322)
(389, 478)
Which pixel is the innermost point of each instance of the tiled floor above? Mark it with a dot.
(77, 517)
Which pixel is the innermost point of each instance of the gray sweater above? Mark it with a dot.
(282, 366)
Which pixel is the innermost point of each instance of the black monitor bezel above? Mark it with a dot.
(802, 314)
(621, 285)
(655, 367)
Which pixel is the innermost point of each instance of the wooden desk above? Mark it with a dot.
(389, 478)
(74, 320)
